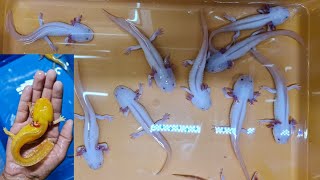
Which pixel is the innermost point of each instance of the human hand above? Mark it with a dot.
(43, 86)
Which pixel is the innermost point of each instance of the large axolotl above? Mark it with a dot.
(221, 61)
(282, 125)
(270, 16)
(242, 93)
(161, 70)
(75, 32)
(92, 150)
(199, 93)
(42, 118)
(128, 101)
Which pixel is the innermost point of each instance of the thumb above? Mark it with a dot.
(64, 139)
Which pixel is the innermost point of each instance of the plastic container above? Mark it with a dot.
(16, 74)
(103, 66)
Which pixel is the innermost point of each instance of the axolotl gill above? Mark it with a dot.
(42, 114)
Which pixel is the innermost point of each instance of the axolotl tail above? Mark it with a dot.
(168, 158)
(35, 156)
(10, 26)
(128, 26)
(235, 145)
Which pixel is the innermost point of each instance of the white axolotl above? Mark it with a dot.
(199, 92)
(92, 150)
(221, 61)
(281, 124)
(161, 69)
(270, 16)
(242, 93)
(75, 32)
(128, 101)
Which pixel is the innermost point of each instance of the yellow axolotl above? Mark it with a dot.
(42, 115)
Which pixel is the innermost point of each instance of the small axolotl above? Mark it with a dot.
(161, 70)
(242, 93)
(92, 150)
(199, 92)
(282, 125)
(75, 32)
(42, 117)
(221, 61)
(270, 16)
(128, 101)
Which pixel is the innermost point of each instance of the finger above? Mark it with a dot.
(23, 108)
(48, 85)
(57, 98)
(37, 85)
(64, 139)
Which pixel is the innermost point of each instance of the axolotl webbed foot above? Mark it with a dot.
(60, 119)
(124, 110)
(189, 96)
(204, 86)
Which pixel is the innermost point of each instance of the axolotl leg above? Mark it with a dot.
(270, 122)
(294, 86)
(141, 131)
(228, 93)
(60, 119)
(189, 93)
(274, 91)
(152, 38)
(46, 38)
(254, 97)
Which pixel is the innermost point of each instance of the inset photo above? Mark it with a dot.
(36, 116)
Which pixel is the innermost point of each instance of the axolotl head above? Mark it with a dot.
(281, 135)
(244, 84)
(82, 33)
(217, 63)
(42, 111)
(124, 95)
(202, 99)
(165, 80)
(279, 15)
(94, 158)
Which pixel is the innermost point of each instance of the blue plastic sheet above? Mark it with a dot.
(17, 71)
